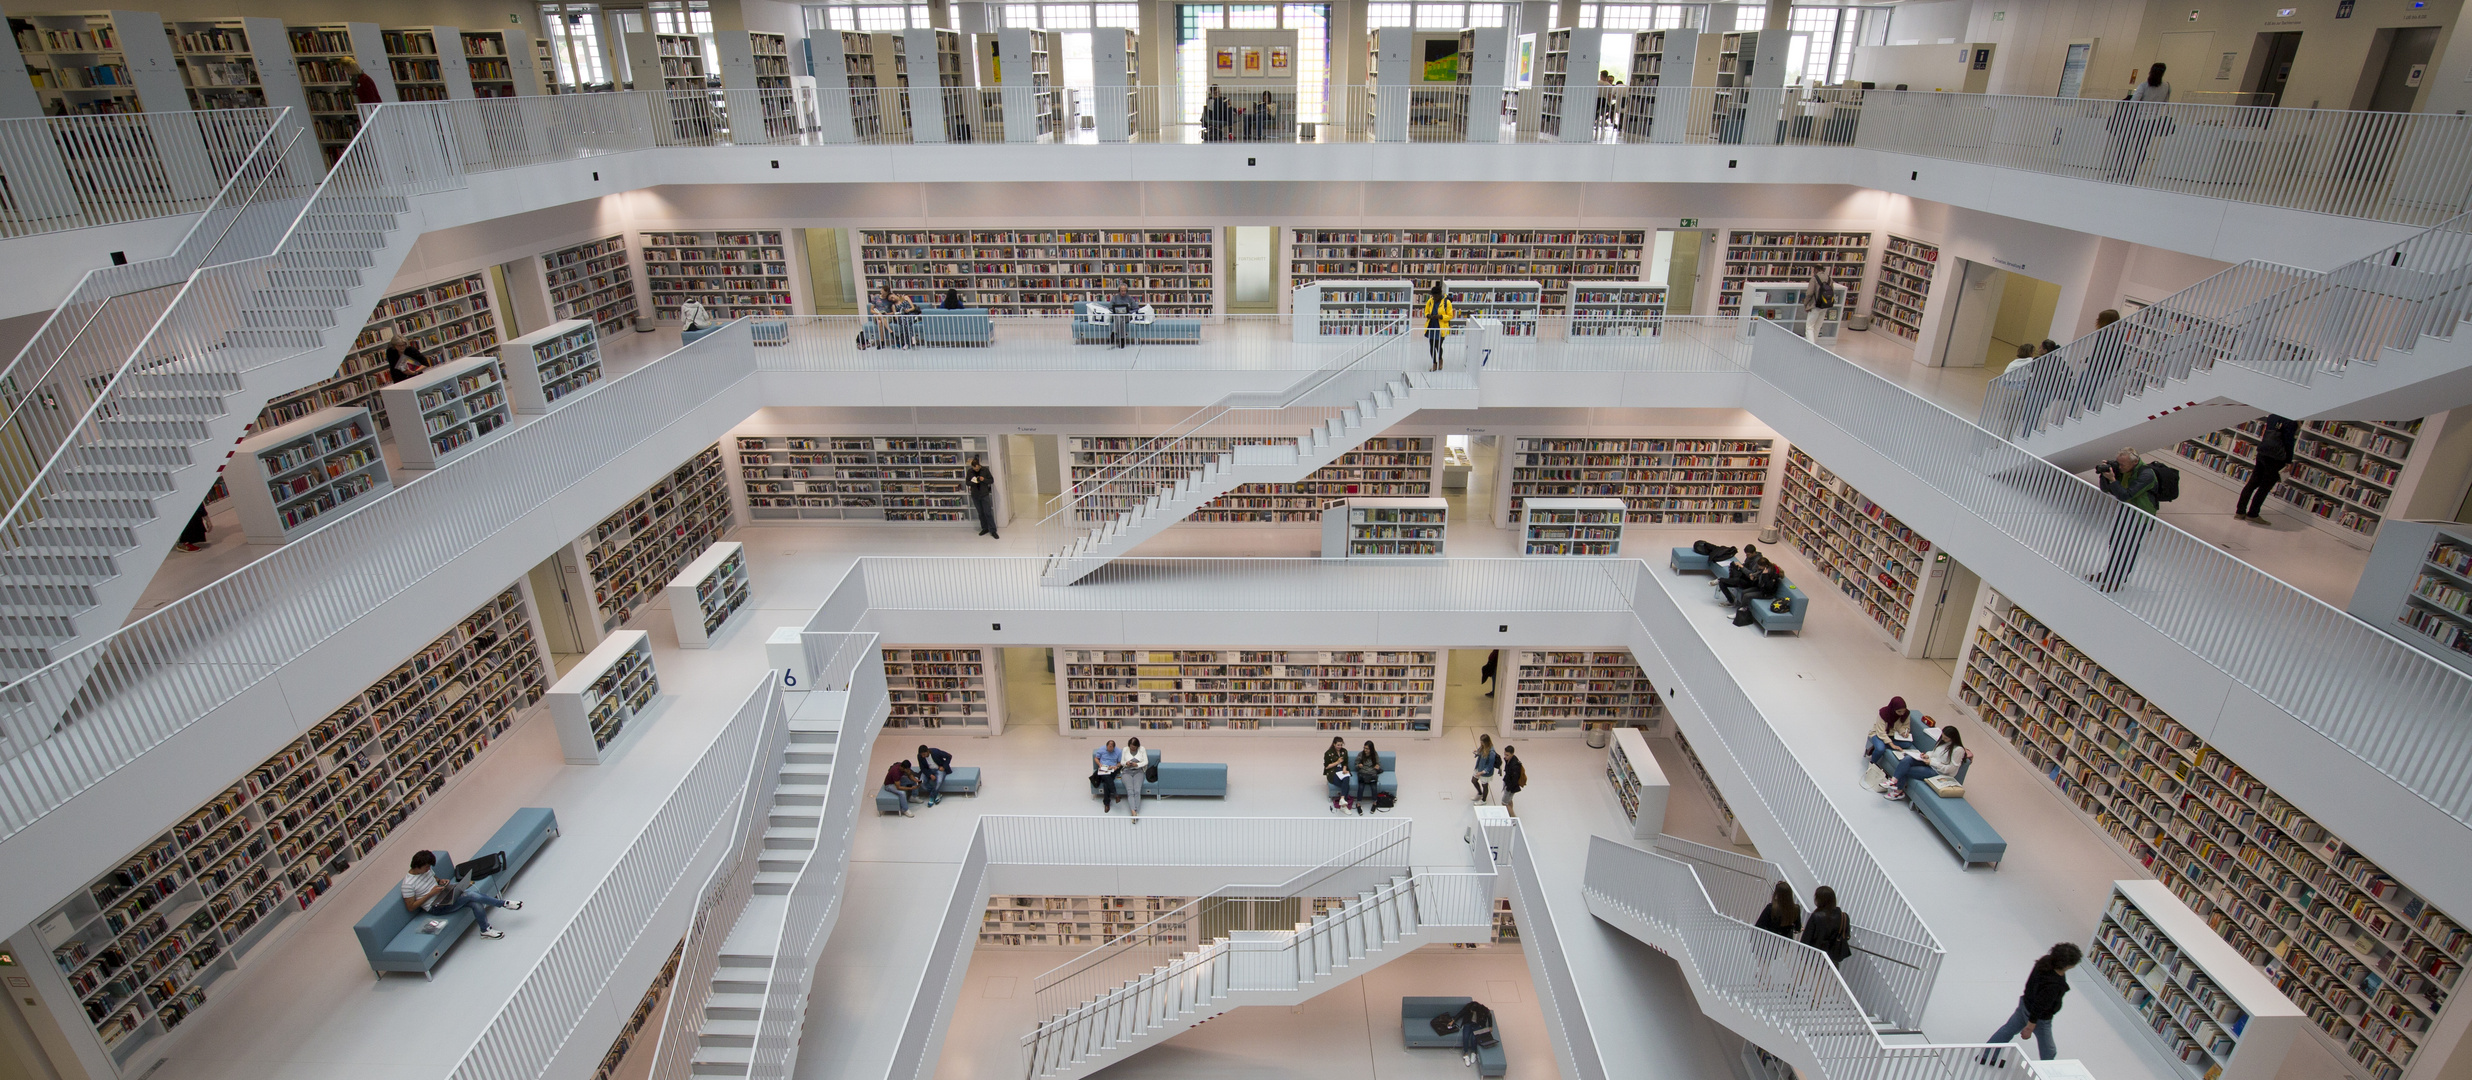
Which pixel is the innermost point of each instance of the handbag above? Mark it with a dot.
(1446, 1024)
(1780, 606)
(1946, 787)
(1151, 773)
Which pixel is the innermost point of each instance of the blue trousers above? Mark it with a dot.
(2016, 1023)
(477, 903)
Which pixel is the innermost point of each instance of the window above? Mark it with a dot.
(692, 17)
(1436, 15)
(574, 34)
(1311, 23)
(870, 18)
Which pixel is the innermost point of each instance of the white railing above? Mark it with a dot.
(543, 1011)
(77, 172)
(1557, 987)
(947, 962)
(2396, 708)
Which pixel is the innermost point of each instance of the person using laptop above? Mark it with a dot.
(423, 893)
(1123, 307)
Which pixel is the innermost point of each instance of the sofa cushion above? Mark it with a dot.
(1190, 778)
(412, 947)
(1683, 560)
(520, 838)
(963, 779)
(1957, 822)
(889, 801)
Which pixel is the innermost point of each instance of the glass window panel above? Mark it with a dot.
(1253, 17)
(1124, 15)
(1378, 16)
(1489, 14)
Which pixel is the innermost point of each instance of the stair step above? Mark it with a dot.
(313, 279)
(275, 318)
(733, 1006)
(790, 866)
(725, 1033)
(807, 757)
(774, 882)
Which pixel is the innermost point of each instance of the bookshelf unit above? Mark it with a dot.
(1571, 528)
(1389, 466)
(1628, 309)
(318, 54)
(1906, 269)
(1045, 271)
(945, 686)
(1343, 309)
(1484, 65)
(1735, 53)
(412, 60)
(2207, 1008)
(1367, 528)
(645, 1010)
(448, 410)
(1770, 255)
(1518, 304)
(708, 593)
(1664, 481)
(593, 282)
(2344, 473)
(289, 478)
(732, 273)
(1639, 783)
(546, 367)
(1555, 259)
(675, 64)
(1567, 84)
(2418, 587)
(769, 55)
(1116, 68)
(137, 951)
(845, 60)
(1660, 59)
(1250, 691)
(1030, 109)
(937, 109)
(1078, 922)
(605, 693)
(497, 62)
(1567, 691)
(448, 320)
(93, 64)
(1728, 826)
(2370, 963)
(624, 561)
(1874, 559)
(236, 64)
(905, 478)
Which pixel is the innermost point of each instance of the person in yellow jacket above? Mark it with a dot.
(1438, 316)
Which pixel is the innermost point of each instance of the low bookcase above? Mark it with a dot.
(705, 595)
(604, 694)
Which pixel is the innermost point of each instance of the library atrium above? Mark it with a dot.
(1382, 534)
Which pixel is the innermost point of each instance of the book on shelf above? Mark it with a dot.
(625, 561)
(603, 695)
(940, 687)
(897, 478)
(1245, 690)
(1662, 481)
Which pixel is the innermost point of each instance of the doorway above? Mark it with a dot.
(1253, 245)
(2270, 68)
(1994, 312)
(2398, 64)
(1675, 264)
(567, 636)
(1944, 626)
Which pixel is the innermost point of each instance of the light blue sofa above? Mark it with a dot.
(1416, 1028)
(390, 935)
(1095, 330)
(1179, 778)
(967, 327)
(1956, 820)
(1779, 622)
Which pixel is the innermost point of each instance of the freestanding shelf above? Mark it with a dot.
(1639, 783)
(442, 413)
(1571, 528)
(705, 595)
(603, 694)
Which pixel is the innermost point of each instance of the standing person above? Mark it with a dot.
(1338, 775)
(1823, 298)
(1828, 929)
(1368, 775)
(1782, 917)
(2136, 122)
(1487, 762)
(2046, 984)
(364, 88)
(2132, 482)
(1485, 675)
(1438, 316)
(2025, 358)
(193, 535)
(981, 481)
(2274, 453)
(2105, 317)
(1514, 777)
(1105, 763)
(1136, 764)
(423, 893)
(903, 781)
(933, 766)
(404, 358)
(952, 301)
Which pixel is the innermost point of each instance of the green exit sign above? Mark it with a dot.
(1690, 223)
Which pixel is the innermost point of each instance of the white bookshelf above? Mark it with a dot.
(1116, 67)
(1079, 922)
(604, 694)
(498, 63)
(549, 365)
(675, 64)
(1044, 271)
(444, 412)
(1639, 783)
(768, 55)
(1568, 691)
(708, 593)
(1571, 528)
(2371, 965)
(934, 66)
(318, 54)
(286, 480)
(1664, 481)
(1617, 310)
(2203, 1004)
(1774, 255)
(1483, 68)
(1517, 304)
(850, 102)
(1787, 302)
(1555, 259)
(237, 64)
(1657, 97)
(1324, 310)
(449, 320)
(1906, 270)
(613, 570)
(1728, 826)
(2344, 475)
(731, 273)
(139, 950)
(1874, 559)
(913, 479)
(420, 73)
(593, 282)
(1567, 90)
(1030, 107)
(1386, 466)
(2418, 587)
(945, 686)
(99, 63)
(1372, 528)
(1250, 691)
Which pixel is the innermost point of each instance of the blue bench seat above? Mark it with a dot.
(1097, 331)
(964, 327)
(1686, 561)
(1416, 1028)
(1971, 837)
(390, 935)
(1207, 779)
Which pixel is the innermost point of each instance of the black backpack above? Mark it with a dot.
(2166, 482)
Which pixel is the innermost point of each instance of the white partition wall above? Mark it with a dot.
(1116, 67)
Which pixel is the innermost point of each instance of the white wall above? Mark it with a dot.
(1929, 23)
(2034, 37)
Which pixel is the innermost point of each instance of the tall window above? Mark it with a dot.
(689, 17)
(869, 18)
(574, 35)
(1311, 23)
(1436, 15)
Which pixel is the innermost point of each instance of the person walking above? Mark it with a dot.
(1782, 917)
(1438, 315)
(2046, 984)
(1136, 765)
(1105, 763)
(2274, 453)
(1485, 675)
(1368, 775)
(1514, 777)
(1337, 773)
(981, 481)
(1828, 928)
(1487, 763)
(2136, 122)
(2132, 482)
(1823, 304)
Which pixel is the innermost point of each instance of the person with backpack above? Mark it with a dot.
(1828, 928)
(1782, 917)
(2274, 453)
(1438, 316)
(1487, 763)
(1368, 775)
(2139, 487)
(2046, 984)
(1514, 777)
(1823, 304)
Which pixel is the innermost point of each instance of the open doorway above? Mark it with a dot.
(1994, 313)
(1675, 264)
(1253, 246)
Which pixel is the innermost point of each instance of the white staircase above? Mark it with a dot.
(1254, 968)
(1322, 434)
(2372, 339)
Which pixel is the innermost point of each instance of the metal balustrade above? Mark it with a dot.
(77, 172)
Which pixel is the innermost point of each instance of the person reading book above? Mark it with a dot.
(423, 893)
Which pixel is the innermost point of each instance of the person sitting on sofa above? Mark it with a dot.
(423, 893)
(1738, 576)
(933, 766)
(1476, 1025)
(1765, 584)
(1916, 767)
(901, 781)
(1891, 732)
(1368, 775)
(1105, 763)
(1339, 774)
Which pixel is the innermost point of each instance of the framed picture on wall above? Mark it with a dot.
(1252, 61)
(1223, 61)
(1279, 58)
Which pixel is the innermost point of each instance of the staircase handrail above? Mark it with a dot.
(1054, 981)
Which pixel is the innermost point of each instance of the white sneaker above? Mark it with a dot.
(493, 933)
(514, 905)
